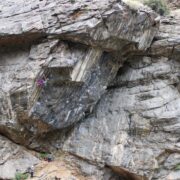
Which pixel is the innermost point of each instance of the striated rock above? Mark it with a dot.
(168, 39)
(98, 23)
(61, 58)
(96, 79)
(136, 124)
(73, 81)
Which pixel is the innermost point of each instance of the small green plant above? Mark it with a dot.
(21, 176)
(43, 155)
(159, 6)
(177, 168)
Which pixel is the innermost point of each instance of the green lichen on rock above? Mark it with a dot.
(21, 176)
(177, 168)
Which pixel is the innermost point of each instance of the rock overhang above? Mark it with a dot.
(74, 75)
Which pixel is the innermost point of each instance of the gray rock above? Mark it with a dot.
(96, 23)
(14, 158)
(168, 39)
(127, 128)
(85, 78)
(72, 76)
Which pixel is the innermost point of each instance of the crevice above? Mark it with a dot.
(125, 174)
(21, 40)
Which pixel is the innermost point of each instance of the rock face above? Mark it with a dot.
(72, 52)
(127, 128)
(14, 159)
(136, 123)
(96, 79)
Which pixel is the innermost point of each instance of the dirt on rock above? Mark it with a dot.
(56, 170)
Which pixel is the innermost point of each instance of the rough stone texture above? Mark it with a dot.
(46, 45)
(138, 110)
(95, 79)
(102, 23)
(168, 39)
(136, 124)
(14, 158)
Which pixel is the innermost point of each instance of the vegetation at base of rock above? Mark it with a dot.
(159, 6)
(177, 168)
(21, 176)
(43, 155)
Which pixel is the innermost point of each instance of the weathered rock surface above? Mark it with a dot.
(72, 76)
(167, 41)
(14, 158)
(102, 23)
(96, 79)
(136, 123)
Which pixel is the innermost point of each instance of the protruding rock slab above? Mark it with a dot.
(99, 23)
(51, 84)
(61, 59)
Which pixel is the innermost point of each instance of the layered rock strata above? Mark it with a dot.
(96, 79)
